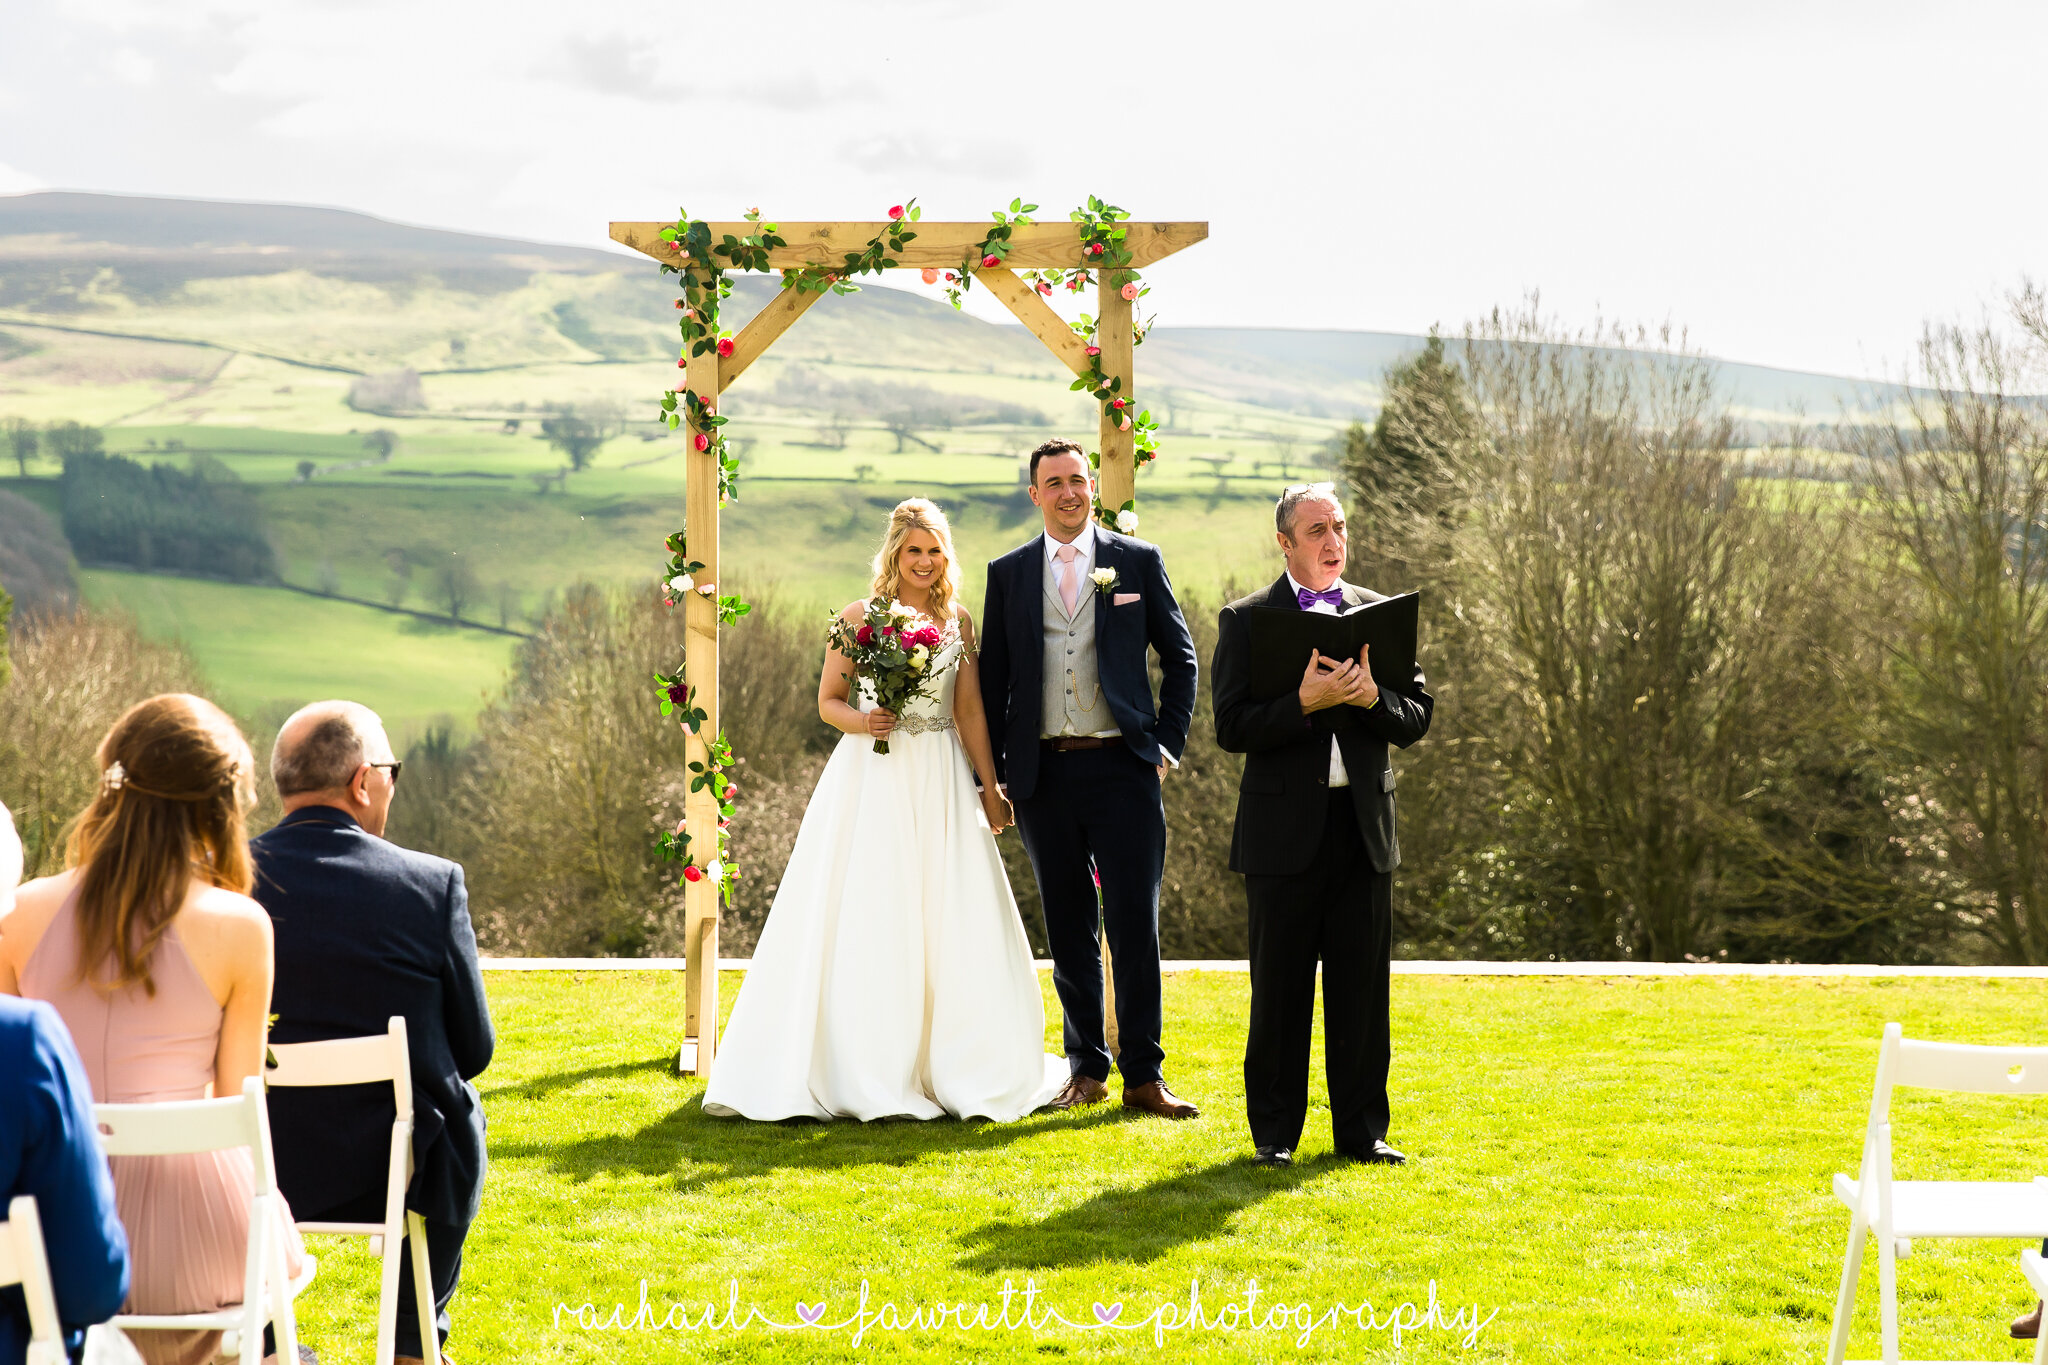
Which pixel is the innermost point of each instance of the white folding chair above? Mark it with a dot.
(360, 1061)
(24, 1262)
(182, 1126)
(1897, 1211)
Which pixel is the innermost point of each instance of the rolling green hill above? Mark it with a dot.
(276, 339)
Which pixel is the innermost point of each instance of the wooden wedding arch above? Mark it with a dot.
(822, 246)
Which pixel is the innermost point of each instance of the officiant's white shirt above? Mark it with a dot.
(1338, 777)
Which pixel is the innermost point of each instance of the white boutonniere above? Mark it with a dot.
(1105, 580)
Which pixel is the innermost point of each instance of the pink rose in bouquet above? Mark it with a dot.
(887, 653)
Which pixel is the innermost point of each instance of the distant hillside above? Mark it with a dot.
(340, 290)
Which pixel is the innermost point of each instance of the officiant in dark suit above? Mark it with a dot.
(1071, 617)
(1316, 845)
(364, 930)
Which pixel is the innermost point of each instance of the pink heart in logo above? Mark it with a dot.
(810, 1312)
(1106, 1316)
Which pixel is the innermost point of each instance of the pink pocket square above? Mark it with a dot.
(1122, 599)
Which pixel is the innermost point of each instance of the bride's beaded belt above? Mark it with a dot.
(919, 725)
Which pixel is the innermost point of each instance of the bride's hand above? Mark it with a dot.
(997, 808)
(881, 722)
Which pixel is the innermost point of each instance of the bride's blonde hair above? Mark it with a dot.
(917, 514)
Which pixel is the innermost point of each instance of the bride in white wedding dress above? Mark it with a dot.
(893, 978)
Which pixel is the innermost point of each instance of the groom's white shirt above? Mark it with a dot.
(1338, 777)
(1084, 545)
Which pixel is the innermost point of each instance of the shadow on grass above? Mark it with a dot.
(696, 1149)
(540, 1087)
(1134, 1226)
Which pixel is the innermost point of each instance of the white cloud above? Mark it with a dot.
(1798, 183)
(18, 182)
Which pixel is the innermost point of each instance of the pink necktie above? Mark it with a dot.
(1070, 578)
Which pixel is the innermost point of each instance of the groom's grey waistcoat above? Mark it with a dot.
(1137, 616)
(1073, 702)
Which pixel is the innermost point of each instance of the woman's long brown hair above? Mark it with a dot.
(175, 810)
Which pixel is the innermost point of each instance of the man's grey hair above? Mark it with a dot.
(322, 745)
(1293, 496)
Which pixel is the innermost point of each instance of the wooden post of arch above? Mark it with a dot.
(944, 246)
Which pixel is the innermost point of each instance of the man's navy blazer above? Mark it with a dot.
(1013, 654)
(365, 930)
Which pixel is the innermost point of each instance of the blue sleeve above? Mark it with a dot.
(62, 1166)
(470, 1036)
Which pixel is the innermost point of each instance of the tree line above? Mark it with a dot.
(196, 520)
(1697, 698)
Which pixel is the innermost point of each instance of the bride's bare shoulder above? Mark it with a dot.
(854, 610)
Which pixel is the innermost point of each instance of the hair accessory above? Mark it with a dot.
(115, 777)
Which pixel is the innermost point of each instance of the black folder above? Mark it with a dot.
(1282, 639)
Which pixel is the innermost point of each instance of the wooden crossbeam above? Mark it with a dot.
(760, 333)
(1033, 311)
(1034, 246)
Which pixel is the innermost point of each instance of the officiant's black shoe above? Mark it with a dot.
(2028, 1327)
(1154, 1098)
(1079, 1090)
(1378, 1154)
(1277, 1157)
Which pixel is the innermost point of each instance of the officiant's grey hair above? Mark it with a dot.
(322, 745)
(1294, 496)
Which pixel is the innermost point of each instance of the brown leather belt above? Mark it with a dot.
(1068, 742)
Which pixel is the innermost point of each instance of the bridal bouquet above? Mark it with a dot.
(894, 659)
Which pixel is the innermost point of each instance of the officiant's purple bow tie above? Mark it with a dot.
(1334, 596)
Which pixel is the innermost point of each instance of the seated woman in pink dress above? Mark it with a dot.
(161, 967)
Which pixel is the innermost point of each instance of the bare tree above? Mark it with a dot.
(22, 440)
(1959, 493)
(1656, 623)
(579, 434)
(74, 674)
(454, 585)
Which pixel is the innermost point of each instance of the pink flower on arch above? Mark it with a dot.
(1130, 291)
(725, 346)
(703, 441)
(896, 213)
(931, 276)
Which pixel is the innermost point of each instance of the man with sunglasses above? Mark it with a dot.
(365, 930)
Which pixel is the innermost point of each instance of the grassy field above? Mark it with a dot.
(1607, 1169)
(267, 650)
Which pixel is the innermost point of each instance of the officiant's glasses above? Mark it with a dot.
(393, 766)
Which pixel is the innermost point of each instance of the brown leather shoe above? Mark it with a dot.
(1079, 1090)
(1154, 1098)
(2028, 1327)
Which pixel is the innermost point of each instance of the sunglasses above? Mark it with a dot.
(393, 766)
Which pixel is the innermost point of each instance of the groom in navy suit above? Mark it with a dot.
(1083, 750)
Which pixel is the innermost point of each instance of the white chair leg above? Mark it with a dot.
(284, 1318)
(392, 1245)
(1845, 1297)
(423, 1288)
(1888, 1298)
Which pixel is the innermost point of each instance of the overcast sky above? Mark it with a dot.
(1798, 184)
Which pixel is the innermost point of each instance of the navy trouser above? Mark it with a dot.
(1102, 804)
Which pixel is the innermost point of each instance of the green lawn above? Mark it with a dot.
(1608, 1170)
(267, 651)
